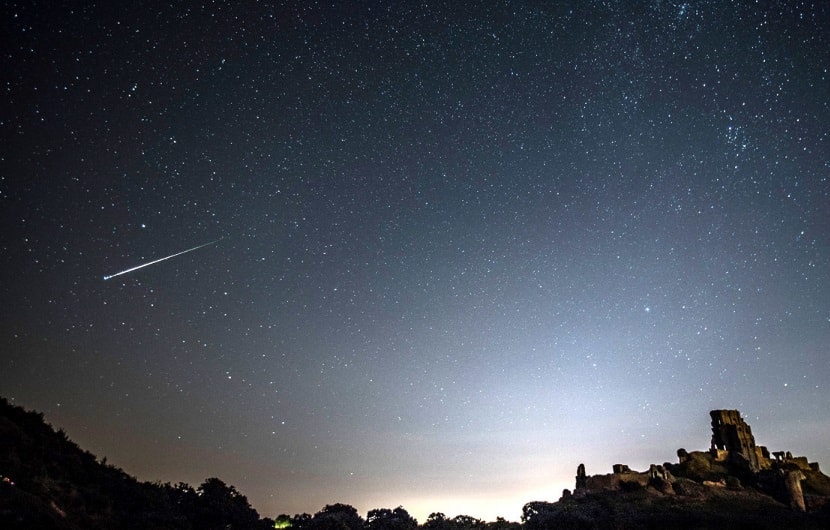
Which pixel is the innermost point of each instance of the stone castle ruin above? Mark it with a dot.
(733, 460)
(731, 435)
(732, 440)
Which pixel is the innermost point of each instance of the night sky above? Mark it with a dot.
(462, 246)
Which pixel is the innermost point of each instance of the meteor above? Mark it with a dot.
(107, 277)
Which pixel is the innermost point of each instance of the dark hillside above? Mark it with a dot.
(735, 484)
(647, 508)
(50, 482)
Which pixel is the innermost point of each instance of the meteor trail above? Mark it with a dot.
(160, 259)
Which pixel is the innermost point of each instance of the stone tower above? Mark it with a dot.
(731, 433)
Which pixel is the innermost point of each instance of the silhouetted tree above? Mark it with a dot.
(540, 515)
(221, 506)
(282, 521)
(57, 484)
(302, 520)
(503, 524)
(437, 521)
(467, 522)
(337, 517)
(386, 519)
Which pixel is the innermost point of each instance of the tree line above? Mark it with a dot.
(47, 481)
(345, 517)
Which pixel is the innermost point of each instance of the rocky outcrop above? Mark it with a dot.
(792, 487)
(734, 463)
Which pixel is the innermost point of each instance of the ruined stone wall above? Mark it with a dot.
(731, 433)
(801, 462)
(762, 455)
(610, 482)
(603, 483)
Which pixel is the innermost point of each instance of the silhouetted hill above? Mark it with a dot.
(735, 484)
(47, 481)
(698, 507)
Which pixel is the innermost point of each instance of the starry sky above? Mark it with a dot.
(462, 246)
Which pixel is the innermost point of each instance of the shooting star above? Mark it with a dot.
(160, 259)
